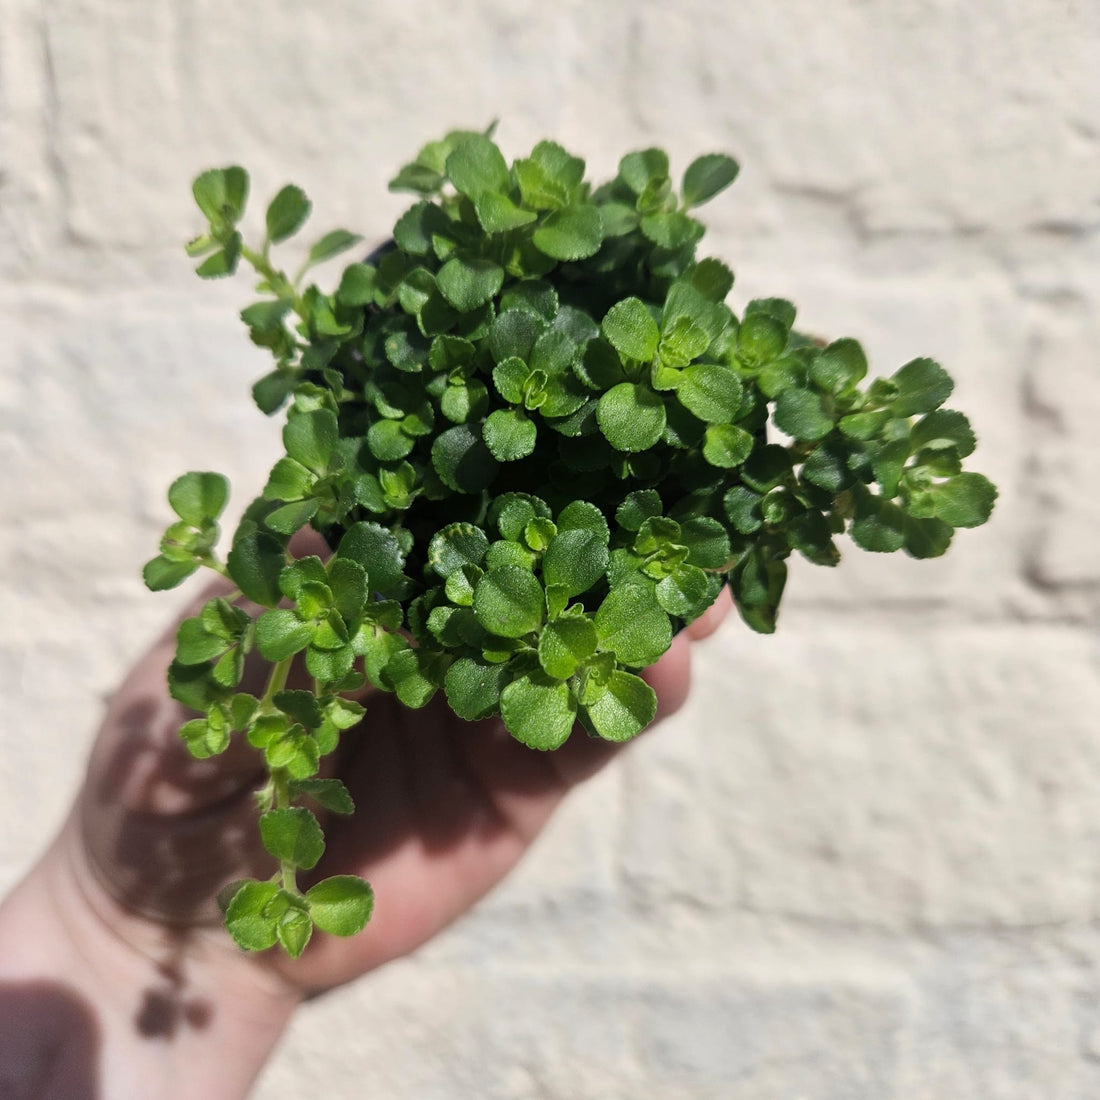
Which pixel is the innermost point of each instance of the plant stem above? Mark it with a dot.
(279, 283)
(275, 683)
(281, 779)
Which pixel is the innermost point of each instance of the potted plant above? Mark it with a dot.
(536, 442)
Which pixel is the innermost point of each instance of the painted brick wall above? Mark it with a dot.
(865, 860)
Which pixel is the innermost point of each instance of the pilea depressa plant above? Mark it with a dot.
(536, 442)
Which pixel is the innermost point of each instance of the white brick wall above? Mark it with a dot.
(865, 861)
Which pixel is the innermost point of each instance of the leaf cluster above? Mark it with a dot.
(538, 442)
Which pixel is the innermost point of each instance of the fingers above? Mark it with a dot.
(712, 618)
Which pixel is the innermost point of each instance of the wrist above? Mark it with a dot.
(130, 1007)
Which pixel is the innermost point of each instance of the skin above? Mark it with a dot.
(116, 977)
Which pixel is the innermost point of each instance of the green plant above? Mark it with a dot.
(536, 442)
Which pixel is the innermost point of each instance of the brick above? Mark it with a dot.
(1065, 408)
(887, 776)
(31, 194)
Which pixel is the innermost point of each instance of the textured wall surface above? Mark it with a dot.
(865, 860)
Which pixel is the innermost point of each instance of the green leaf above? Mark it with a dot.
(509, 602)
(499, 214)
(548, 178)
(254, 564)
(378, 551)
(879, 525)
(707, 176)
(802, 414)
(538, 710)
(761, 339)
(160, 574)
(303, 571)
(757, 585)
(294, 930)
(280, 634)
(330, 663)
(203, 739)
(266, 315)
(922, 385)
(581, 515)
(927, 538)
(221, 618)
(221, 194)
(941, 429)
(289, 480)
(404, 673)
(571, 233)
(332, 244)
(682, 341)
(575, 560)
(460, 585)
(509, 434)
(469, 281)
(462, 460)
(357, 285)
(457, 545)
(637, 507)
(631, 417)
(195, 687)
(514, 333)
(344, 714)
(340, 905)
(477, 166)
(271, 391)
(727, 445)
(712, 392)
(348, 581)
(707, 541)
(300, 706)
(310, 437)
(291, 517)
(686, 592)
(625, 709)
(296, 751)
(965, 500)
(287, 213)
(195, 646)
(865, 425)
(631, 330)
(671, 229)
(840, 366)
(509, 377)
(829, 466)
(535, 295)
(246, 918)
(638, 170)
(632, 624)
(473, 687)
(198, 498)
(223, 262)
(712, 278)
(387, 442)
(538, 533)
(888, 462)
(329, 793)
(743, 509)
(293, 835)
(462, 403)
(565, 644)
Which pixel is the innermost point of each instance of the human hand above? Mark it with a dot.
(444, 809)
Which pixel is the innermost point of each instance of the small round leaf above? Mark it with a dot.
(509, 601)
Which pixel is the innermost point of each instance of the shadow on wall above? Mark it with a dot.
(49, 1044)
